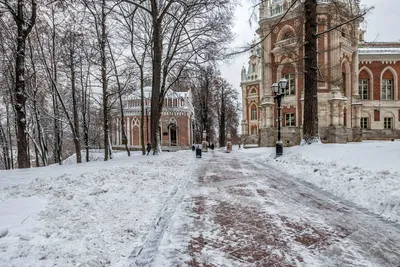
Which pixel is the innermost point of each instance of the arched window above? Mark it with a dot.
(253, 112)
(365, 83)
(389, 84)
(291, 84)
(387, 89)
(287, 32)
(287, 35)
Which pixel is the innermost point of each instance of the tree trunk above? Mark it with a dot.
(41, 139)
(9, 136)
(156, 83)
(75, 129)
(57, 123)
(142, 112)
(103, 40)
(20, 100)
(222, 123)
(310, 127)
(85, 107)
(23, 29)
(5, 146)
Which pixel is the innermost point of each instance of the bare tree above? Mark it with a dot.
(202, 88)
(24, 27)
(310, 127)
(138, 33)
(99, 14)
(182, 32)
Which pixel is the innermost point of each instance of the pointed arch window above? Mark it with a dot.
(253, 112)
(387, 89)
(291, 84)
(363, 90)
(288, 35)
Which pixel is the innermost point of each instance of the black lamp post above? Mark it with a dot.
(279, 90)
(147, 124)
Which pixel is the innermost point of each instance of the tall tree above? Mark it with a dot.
(183, 32)
(99, 15)
(137, 32)
(24, 27)
(310, 127)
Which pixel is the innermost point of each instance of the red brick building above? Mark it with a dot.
(358, 94)
(176, 123)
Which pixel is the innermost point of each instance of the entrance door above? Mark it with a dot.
(173, 135)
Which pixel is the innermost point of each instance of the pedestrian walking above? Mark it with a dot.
(148, 148)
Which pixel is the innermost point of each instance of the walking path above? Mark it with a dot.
(238, 212)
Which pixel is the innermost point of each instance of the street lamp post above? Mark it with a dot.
(147, 124)
(279, 90)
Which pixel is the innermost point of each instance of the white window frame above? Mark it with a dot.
(363, 88)
(388, 123)
(387, 89)
(253, 113)
(291, 87)
(290, 119)
(364, 123)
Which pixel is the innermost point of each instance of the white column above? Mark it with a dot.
(128, 130)
(336, 66)
(341, 114)
(245, 104)
(267, 71)
(355, 62)
(334, 113)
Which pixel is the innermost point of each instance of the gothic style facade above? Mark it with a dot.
(358, 93)
(176, 123)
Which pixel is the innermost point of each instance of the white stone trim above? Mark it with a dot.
(371, 81)
(395, 82)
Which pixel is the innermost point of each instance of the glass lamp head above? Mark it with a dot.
(283, 83)
(275, 88)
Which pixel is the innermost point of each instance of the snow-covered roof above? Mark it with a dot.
(147, 94)
(379, 50)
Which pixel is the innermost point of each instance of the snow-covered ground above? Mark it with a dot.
(99, 213)
(366, 173)
(92, 214)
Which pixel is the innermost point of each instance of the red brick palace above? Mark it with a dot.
(358, 88)
(176, 128)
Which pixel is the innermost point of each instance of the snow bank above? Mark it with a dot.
(365, 173)
(96, 213)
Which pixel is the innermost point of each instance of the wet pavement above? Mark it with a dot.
(243, 212)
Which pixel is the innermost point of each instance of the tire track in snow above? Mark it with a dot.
(143, 256)
(373, 237)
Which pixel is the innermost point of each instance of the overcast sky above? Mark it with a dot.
(383, 24)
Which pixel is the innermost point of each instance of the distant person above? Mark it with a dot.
(212, 146)
(193, 147)
(148, 148)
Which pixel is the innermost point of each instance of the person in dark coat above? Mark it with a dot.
(193, 148)
(212, 146)
(148, 148)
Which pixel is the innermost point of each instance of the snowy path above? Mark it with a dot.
(246, 213)
(94, 214)
(143, 256)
